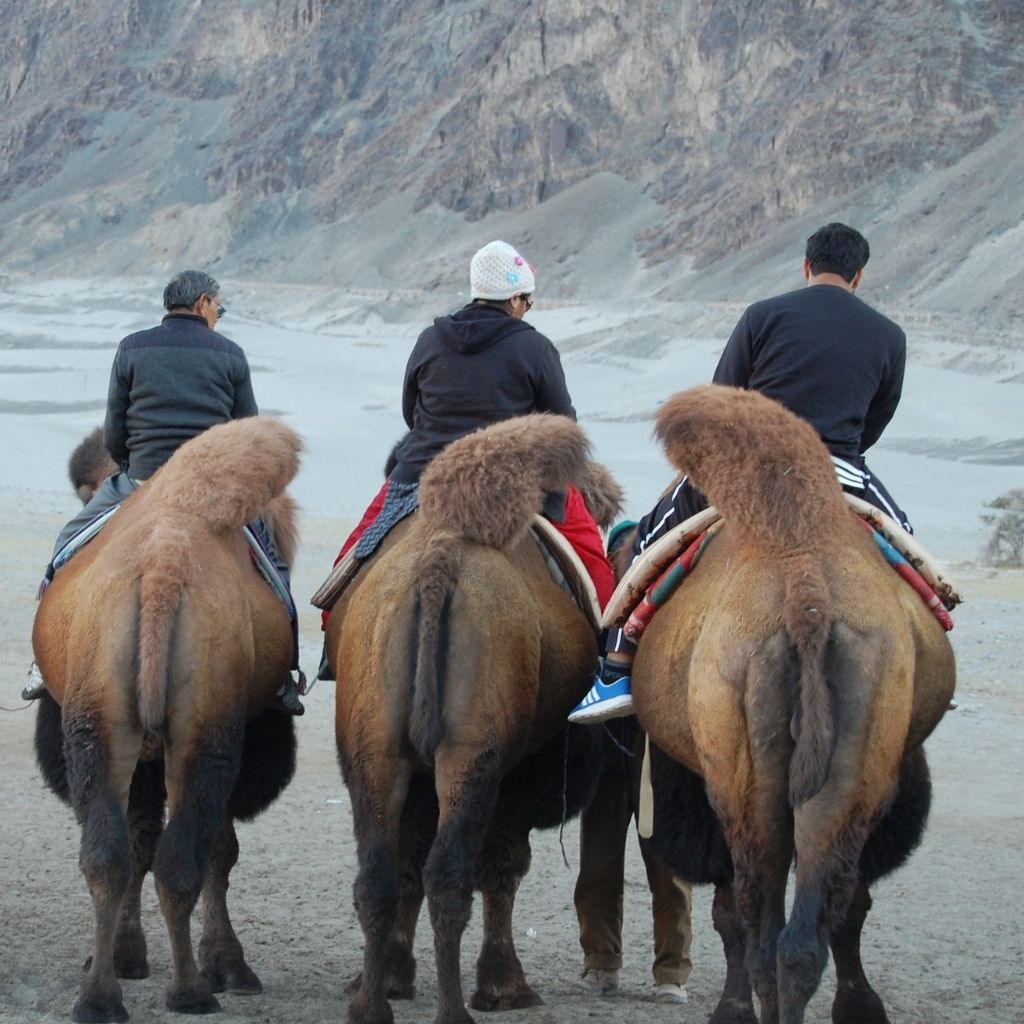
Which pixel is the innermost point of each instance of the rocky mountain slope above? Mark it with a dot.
(691, 140)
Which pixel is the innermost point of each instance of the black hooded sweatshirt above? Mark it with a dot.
(468, 370)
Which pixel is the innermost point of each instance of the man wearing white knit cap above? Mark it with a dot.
(478, 366)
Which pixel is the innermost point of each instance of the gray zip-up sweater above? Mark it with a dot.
(169, 384)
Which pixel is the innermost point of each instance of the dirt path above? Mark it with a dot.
(945, 942)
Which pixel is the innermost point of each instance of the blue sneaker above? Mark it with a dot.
(604, 701)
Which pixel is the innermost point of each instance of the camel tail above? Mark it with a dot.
(765, 469)
(438, 572)
(808, 619)
(164, 558)
(229, 473)
(768, 473)
(487, 486)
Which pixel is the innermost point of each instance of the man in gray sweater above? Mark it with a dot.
(167, 385)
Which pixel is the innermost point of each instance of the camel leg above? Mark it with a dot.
(736, 1005)
(419, 826)
(199, 784)
(220, 953)
(378, 787)
(830, 840)
(760, 892)
(99, 771)
(467, 789)
(755, 815)
(500, 982)
(856, 1002)
(145, 825)
(891, 841)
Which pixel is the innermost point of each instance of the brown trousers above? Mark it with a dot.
(604, 828)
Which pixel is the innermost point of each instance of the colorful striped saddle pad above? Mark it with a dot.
(659, 570)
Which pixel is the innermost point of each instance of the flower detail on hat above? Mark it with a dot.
(512, 277)
(518, 261)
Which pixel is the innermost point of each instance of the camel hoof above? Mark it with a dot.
(858, 1006)
(192, 1002)
(131, 970)
(733, 1012)
(95, 1011)
(401, 992)
(380, 1014)
(492, 1002)
(239, 980)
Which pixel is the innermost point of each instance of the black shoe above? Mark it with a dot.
(325, 672)
(287, 698)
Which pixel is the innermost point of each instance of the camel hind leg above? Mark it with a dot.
(467, 788)
(268, 764)
(831, 827)
(888, 846)
(378, 786)
(418, 828)
(145, 823)
(220, 952)
(749, 792)
(200, 774)
(100, 761)
(145, 826)
(539, 792)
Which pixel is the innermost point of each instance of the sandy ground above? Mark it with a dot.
(944, 943)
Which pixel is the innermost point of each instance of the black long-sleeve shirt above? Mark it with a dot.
(468, 370)
(825, 355)
(169, 384)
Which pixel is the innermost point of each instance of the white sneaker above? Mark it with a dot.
(35, 687)
(669, 993)
(598, 982)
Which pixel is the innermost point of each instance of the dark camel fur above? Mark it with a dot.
(797, 676)
(457, 659)
(161, 646)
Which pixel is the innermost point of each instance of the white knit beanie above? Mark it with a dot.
(497, 271)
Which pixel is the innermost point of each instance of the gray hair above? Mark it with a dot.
(185, 288)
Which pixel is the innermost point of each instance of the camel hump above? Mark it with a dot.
(229, 473)
(487, 486)
(764, 468)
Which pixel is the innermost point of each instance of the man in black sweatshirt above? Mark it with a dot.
(167, 385)
(825, 355)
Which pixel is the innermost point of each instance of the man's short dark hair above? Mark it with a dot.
(185, 288)
(837, 249)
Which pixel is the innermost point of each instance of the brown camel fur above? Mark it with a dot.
(161, 639)
(797, 675)
(457, 659)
